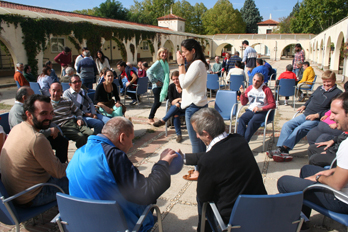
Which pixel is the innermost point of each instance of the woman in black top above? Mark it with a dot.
(104, 95)
(174, 97)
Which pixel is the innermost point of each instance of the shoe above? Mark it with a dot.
(134, 102)
(159, 123)
(150, 121)
(285, 102)
(283, 157)
(188, 177)
(301, 98)
(191, 171)
(179, 139)
(271, 153)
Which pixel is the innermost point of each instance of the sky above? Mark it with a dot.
(277, 8)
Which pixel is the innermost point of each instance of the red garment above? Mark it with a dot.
(269, 96)
(124, 74)
(20, 78)
(63, 59)
(141, 73)
(287, 75)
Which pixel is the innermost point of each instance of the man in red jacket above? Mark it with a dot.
(64, 59)
(260, 100)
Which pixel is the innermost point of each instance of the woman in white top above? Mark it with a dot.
(101, 62)
(194, 84)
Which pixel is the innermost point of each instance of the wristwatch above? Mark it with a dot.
(317, 178)
(181, 64)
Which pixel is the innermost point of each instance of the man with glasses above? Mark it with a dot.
(80, 99)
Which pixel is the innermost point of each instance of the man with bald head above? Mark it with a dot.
(68, 117)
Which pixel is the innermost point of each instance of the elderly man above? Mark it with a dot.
(209, 71)
(307, 78)
(64, 59)
(260, 100)
(217, 66)
(315, 108)
(18, 76)
(69, 73)
(87, 70)
(260, 68)
(336, 178)
(27, 158)
(68, 117)
(80, 57)
(249, 57)
(300, 70)
(80, 99)
(101, 170)
(57, 141)
(223, 174)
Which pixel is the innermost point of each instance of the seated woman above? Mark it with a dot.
(174, 97)
(45, 81)
(104, 95)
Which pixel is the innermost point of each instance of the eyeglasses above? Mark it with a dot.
(75, 82)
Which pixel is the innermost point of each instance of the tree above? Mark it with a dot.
(199, 11)
(295, 9)
(222, 18)
(86, 11)
(148, 11)
(284, 25)
(315, 16)
(251, 16)
(111, 9)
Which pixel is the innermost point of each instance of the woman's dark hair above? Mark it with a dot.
(174, 74)
(189, 44)
(45, 71)
(26, 67)
(102, 58)
(48, 63)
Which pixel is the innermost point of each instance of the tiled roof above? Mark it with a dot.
(170, 17)
(268, 22)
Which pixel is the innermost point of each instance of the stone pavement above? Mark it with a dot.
(178, 204)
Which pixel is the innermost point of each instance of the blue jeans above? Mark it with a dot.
(174, 111)
(294, 130)
(249, 122)
(48, 193)
(326, 199)
(97, 124)
(196, 143)
(87, 82)
(295, 70)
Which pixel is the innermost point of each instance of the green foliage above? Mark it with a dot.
(148, 11)
(284, 25)
(222, 18)
(86, 11)
(122, 48)
(315, 16)
(251, 16)
(295, 9)
(111, 9)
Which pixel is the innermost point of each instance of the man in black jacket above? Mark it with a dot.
(228, 167)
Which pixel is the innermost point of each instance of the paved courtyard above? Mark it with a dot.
(178, 204)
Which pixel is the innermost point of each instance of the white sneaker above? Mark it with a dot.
(285, 102)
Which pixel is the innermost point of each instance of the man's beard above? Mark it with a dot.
(40, 125)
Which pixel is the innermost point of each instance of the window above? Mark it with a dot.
(57, 44)
(145, 46)
(269, 31)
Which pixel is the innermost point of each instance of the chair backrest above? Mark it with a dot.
(35, 87)
(4, 122)
(236, 81)
(213, 81)
(18, 85)
(250, 80)
(287, 87)
(65, 86)
(5, 216)
(269, 212)
(225, 99)
(90, 215)
(142, 85)
(315, 78)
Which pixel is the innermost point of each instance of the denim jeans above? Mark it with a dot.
(249, 122)
(156, 94)
(295, 70)
(48, 193)
(87, 82)
(172, 112)
(97, 124)
(326, 199)
(196, 143)
(294, 130)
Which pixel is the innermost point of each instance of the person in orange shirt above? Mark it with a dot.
(18, 76)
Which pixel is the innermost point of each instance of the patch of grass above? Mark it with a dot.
(4, 106)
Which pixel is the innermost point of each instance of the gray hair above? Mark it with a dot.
(69, 70)
(19, 64)
(129, 64)
(299, 62)
(86, 53)
(22, 91)
(289, 67)
(209, 120)
(117, 125)
(260, 75)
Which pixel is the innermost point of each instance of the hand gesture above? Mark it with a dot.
(301, 109)
(241, 89)
(327, 144)
(179, 58)
(168, 155)
(79, 122)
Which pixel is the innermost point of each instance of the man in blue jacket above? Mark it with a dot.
(260, 68)
(101, 170)
(87, 70)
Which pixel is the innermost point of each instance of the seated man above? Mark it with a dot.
(128, 77)
(18, 76)
(288, 74)
(316, 106)
(261, 100)
(336, 178)
(307, 78)
(27, 158)
(80, 99)
(237, 70)
(101, 170)
(69, 73)
(300, 70)
(68, 117)
(57, 141)
(260, 68)
(223, 174)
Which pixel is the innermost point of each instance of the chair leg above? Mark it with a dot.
(264, 136)
(18, 228)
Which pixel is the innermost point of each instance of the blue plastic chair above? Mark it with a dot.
(18, 85)
(35, 87)
(338, 217)
(213, 82)
(271, 213)
(250, 80)
(65, 86)
(4, 122)
(80, 214)
(226, 104)
(287, 88)
(141, 88)
(236, 81)
(311, 88)
(11, 214)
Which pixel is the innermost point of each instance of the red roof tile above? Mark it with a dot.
(268, 22)
(170, 17)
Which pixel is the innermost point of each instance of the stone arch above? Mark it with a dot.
(316, 52)
(336, 55)
(327, 55)
(262, 49)
(145, 50)
(288, 50)
(170, 47)
(321, 52)
(219, 49)
(8, 60)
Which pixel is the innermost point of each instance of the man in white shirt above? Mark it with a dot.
(336, 178)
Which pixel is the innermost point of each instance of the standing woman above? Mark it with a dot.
(194, 85)
(102, 62)
(159, 77)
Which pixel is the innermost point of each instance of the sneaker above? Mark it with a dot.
(159, 123)
(285, 102)
(134, 102)
(282, 157)
(271, 153)
(179, 139)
